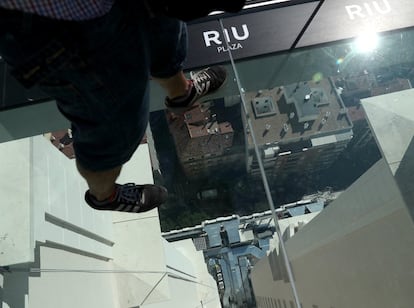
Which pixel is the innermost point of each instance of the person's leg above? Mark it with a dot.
(102, 91)
(183, 92)
(169, 45)
(119, 96)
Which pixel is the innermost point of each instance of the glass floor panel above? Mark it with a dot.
(291, 186)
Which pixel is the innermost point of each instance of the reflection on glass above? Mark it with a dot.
(363, 163)
(366, 42)
(316, 143)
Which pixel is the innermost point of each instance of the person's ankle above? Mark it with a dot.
(104, 196)
(182, 95)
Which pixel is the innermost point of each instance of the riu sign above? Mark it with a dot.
(368, 9)
(233, 36)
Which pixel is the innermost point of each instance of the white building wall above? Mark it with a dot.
(138, 251)
(71, 280)
(42, 193)
(200, 291)
(16, 245)
(153, 272)
(85, 258)
(60, 212)
(139, 256)
(357, 252)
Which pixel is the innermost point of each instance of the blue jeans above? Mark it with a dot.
(102, 88)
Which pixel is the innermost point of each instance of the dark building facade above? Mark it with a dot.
(204, 145)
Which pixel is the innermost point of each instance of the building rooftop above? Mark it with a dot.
(297, 111)
(367, 84)
(199, 133)
(305, 100)
(395, 85)
(209, 128)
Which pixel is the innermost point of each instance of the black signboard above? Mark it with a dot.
(343, 19)
(247, 35)
(276, 29)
